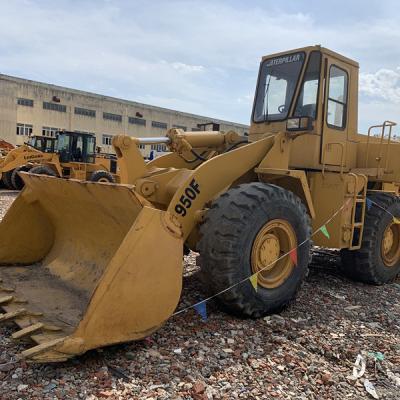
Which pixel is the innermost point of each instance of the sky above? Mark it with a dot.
(200, 56)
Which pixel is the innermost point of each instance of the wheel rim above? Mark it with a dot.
(275, 239)
(103, 180)
(390, 247)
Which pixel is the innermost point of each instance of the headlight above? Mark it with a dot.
(299, 124)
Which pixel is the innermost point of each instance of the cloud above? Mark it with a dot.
(197, 56)
(187, 68)
(383, 84)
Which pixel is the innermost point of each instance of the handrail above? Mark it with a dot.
(390, 125)
(342, 146)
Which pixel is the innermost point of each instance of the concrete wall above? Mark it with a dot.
(11, 113)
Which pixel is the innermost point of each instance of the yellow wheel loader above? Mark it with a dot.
(23, 158)
(69, 155)
(86, 265)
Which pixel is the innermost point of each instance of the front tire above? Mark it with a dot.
(6, 178)
(247, 230)
(378, 260)
(102, 176)
(43, 170)
(16, 180)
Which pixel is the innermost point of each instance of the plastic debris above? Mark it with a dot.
(370, 388)
(393, 377)
(378, 356)
(359, 367)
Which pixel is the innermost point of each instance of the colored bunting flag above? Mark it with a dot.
(325, 231)
(293, 256)
(396, 221)
(201, 308)
(369, 203)
(254, 281)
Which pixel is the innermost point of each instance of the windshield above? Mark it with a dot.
(35, 142)
(276, 87)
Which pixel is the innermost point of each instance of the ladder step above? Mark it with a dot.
(360, 200)
(358, 225)
(27, 331)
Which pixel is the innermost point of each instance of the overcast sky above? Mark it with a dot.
(197, 56)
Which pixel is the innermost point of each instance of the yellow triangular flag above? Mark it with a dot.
(325, 231)
(396, 220)
(254, 281)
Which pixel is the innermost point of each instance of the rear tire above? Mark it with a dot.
(378, 260)
(230, 239)
(43, 170)
(16, 180)
(102, 176)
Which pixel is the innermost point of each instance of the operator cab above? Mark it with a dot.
(310, 93)
(76, 147)
(42, 143)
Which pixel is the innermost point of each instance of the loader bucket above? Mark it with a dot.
(83, 265)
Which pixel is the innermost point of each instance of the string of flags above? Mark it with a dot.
(371, 203)
(201, 306)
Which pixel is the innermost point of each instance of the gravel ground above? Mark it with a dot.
(307, 352)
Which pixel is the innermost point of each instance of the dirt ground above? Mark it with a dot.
(307, 352)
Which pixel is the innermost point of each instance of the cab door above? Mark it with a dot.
(335, 121)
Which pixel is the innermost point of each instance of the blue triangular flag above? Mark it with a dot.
(369, 203)
(201, 308)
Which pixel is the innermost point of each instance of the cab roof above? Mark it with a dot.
(317, 47)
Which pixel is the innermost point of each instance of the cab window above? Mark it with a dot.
(337, 98)
(307, 101)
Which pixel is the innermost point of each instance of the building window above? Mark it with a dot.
(137, 121)
(85, 112)
(112, 117)
(184, 128)
(107, 140)
(24, 129)
(54, 107)
(25, 102)
(49, 132)
(161, 125)
(159, 147)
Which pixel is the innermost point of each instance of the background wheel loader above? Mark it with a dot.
(116, 275)
(69, 155)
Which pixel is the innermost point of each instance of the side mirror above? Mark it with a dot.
(295, 124)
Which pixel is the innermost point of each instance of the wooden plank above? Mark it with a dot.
(12, 314)
(27, 331)
(6, 299)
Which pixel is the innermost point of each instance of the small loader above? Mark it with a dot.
(68, 155)
(85, 265)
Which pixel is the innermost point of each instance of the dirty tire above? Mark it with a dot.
(6, 179)
(43, 170)
(228, 232)
(16, 180)
(366, 265)
(102, 176)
